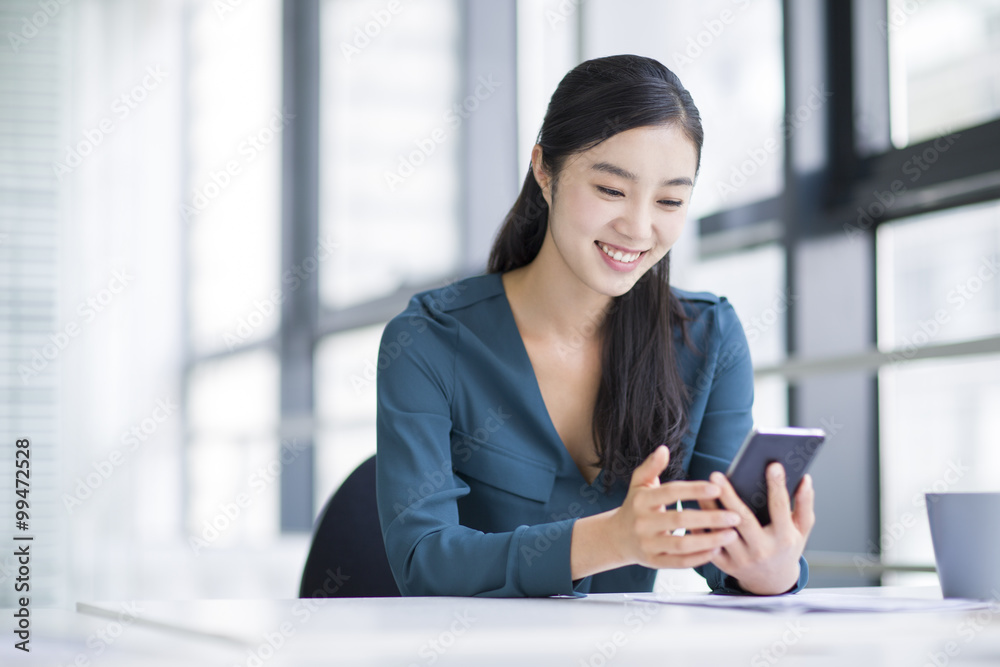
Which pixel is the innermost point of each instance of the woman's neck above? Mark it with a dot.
(551, 303)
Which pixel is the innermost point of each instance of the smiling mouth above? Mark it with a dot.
(618, 255)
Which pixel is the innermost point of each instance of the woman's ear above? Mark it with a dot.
(541, 176)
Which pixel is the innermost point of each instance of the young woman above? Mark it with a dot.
(538, 425)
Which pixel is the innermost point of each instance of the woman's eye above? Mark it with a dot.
(671, 202)
(608, 191)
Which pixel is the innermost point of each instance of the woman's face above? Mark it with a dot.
(620, 206)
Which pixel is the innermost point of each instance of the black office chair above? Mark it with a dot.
(347, 556)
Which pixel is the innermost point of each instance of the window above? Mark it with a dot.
(390, 144)
(390, 172)
(936, 278)
(346, 365)
(547, 48)
(233, 453)
(937, 284)
(232, 207)
(939, 433)
(754, 282)
(940, 83)
(232, 215)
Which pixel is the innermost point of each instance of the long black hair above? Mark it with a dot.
(642, 401)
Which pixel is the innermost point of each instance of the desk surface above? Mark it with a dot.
(600, 630)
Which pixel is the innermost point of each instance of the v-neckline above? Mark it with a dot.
(526, 362)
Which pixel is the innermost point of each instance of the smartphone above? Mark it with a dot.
(794, 448)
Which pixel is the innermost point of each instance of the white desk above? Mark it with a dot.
(600, 630)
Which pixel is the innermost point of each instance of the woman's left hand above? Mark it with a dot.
(765, 561)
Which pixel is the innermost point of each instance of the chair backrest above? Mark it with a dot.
(347, 556)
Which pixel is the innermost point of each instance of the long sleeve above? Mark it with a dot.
(725, 423)
(428, 550)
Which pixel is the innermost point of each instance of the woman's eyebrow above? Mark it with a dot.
(609, 168)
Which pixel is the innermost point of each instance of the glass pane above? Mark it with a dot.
(754, 283)
(939, 432)
(235, 396)
(770, 402)
(729, 56)
(390, 138)
(235, 488)
(233, 460)
(232, 204)
(339, 451)
(346, 365)
(937, 418)
(761, 304)
(547, 38)
(937, 278)
(944, 66)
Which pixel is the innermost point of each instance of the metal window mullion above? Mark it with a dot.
(491, 179)
(795, 369)
(299, 238)
(817, 41)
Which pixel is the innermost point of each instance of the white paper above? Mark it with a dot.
(806, 602)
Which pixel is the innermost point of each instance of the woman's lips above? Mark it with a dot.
(626, 260)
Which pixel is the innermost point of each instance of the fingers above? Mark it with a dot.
(665, 561)
(711, 506)
(648, 472)
(765, 559)
(668, 551)
(690, 520)
(706, 519)
(689, 544)
(725, 560)
(778, 503)
(750, 528)
(804, 517)
(670, 493)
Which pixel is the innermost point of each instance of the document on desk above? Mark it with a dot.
(808, 602)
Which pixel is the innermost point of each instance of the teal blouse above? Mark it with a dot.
(477, 495)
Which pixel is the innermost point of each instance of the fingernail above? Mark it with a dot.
(716, 477)
(775, 472)
(729, 537)
(733, 519)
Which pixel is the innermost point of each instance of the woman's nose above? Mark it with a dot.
(636, 223)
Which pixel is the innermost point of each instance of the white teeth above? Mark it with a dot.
(618, 255)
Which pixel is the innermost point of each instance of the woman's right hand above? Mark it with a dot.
(643, 526)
